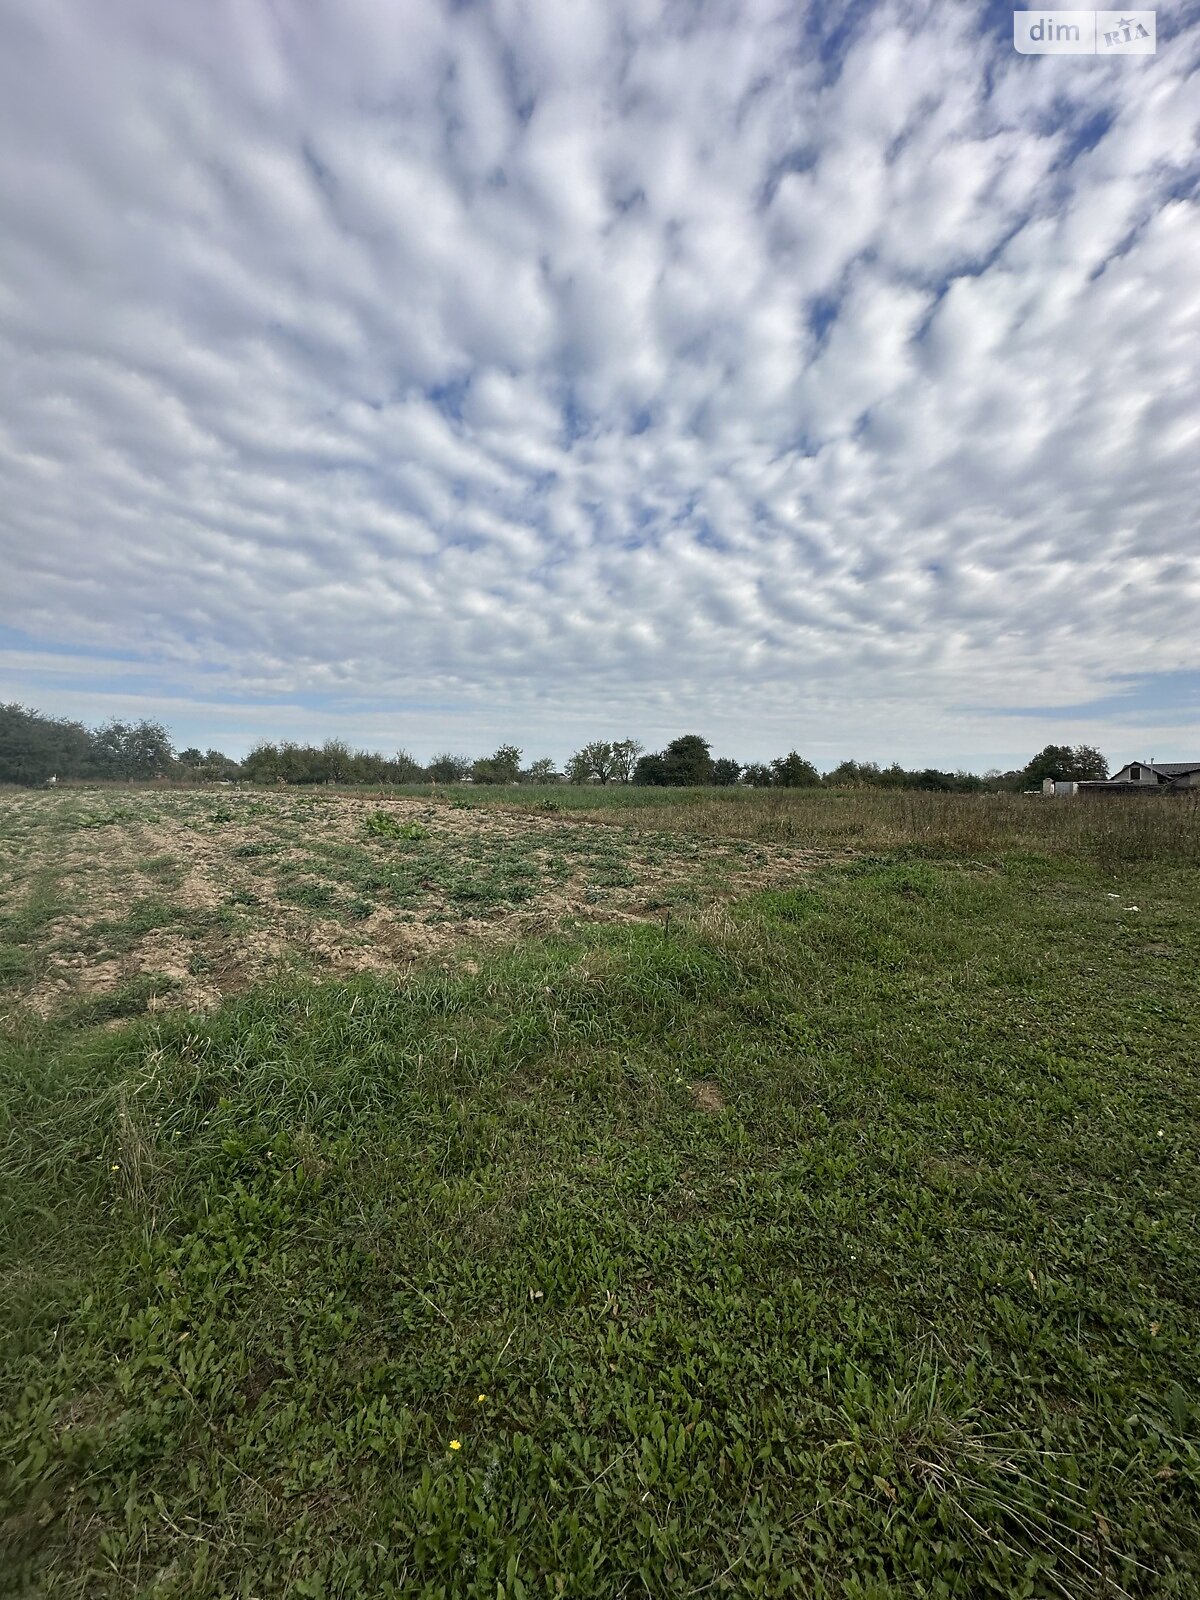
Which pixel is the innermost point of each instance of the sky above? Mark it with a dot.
(438, 375)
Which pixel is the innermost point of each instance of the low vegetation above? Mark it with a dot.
(1155, 827)
(168, 898)
(835, 1239)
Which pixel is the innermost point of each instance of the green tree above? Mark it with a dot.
(34, 748)
(335, 763)
(300, 763)
(793, 772)
(757, 774)
(593, 763)
(685, 763)
(854, 775)
(625, 754)
(725, 772)
(503, 767)
(263, 765)
(447, 768)
(406, 768)
(651, 770)
(542, 771)
(1090, 765)
(688, 762)
(218, 766)
(1053, 761)
(133, 750)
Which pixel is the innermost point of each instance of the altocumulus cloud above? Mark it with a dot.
(434, 373)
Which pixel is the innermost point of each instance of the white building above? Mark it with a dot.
(1174, 774)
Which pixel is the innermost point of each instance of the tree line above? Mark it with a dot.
(36, 749)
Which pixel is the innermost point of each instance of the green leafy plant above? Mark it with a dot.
(383, 825)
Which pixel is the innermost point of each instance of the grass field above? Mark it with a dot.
(1159, 828)
(819, 1224)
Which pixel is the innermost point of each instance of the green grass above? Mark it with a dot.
(122, 933)
(129, 999)
(406, 864)
(306, 892)
(843, 1245)
(22, 928)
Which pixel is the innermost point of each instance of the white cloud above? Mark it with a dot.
(522, 366)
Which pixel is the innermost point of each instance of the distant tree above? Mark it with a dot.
(133, 750)
(151, 753)
(367, 766)
(301, 763)
(507, 761)
(332, 762)
(933, 779)
(757, 774)
(1082, 764)
(407, 768)
(685, 762)
(503, 767)
(793, 772)
(688, 761)
(997, 782)
(651, 770)
(191, 757)
(34, 748)
(854, 775)
(218, 766)
(336, 762)
(447, 768)
(263, 765)
(624, 758)
(1090, 765)
(593, 763)
(968, 782)
(542, 771)
(1053, 761)
(725, 772)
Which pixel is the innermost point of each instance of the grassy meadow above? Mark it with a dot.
(649, 1194)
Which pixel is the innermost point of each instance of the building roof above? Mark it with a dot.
(1169, 769)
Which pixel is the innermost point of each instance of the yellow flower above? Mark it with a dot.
(455, 1444)
(479, 1399)
(116, 1166)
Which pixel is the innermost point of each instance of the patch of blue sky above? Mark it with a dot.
(574, 418)
(834, 31)
(1135, 696)
(448, 397)
(15, 639)
(822, 313)
(1085, 135)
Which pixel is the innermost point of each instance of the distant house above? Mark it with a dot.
(1171, 774)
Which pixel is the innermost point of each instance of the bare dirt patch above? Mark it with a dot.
(708, 1096)
(212, 894)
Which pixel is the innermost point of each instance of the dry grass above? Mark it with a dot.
(154, 899)
(1102, 831)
